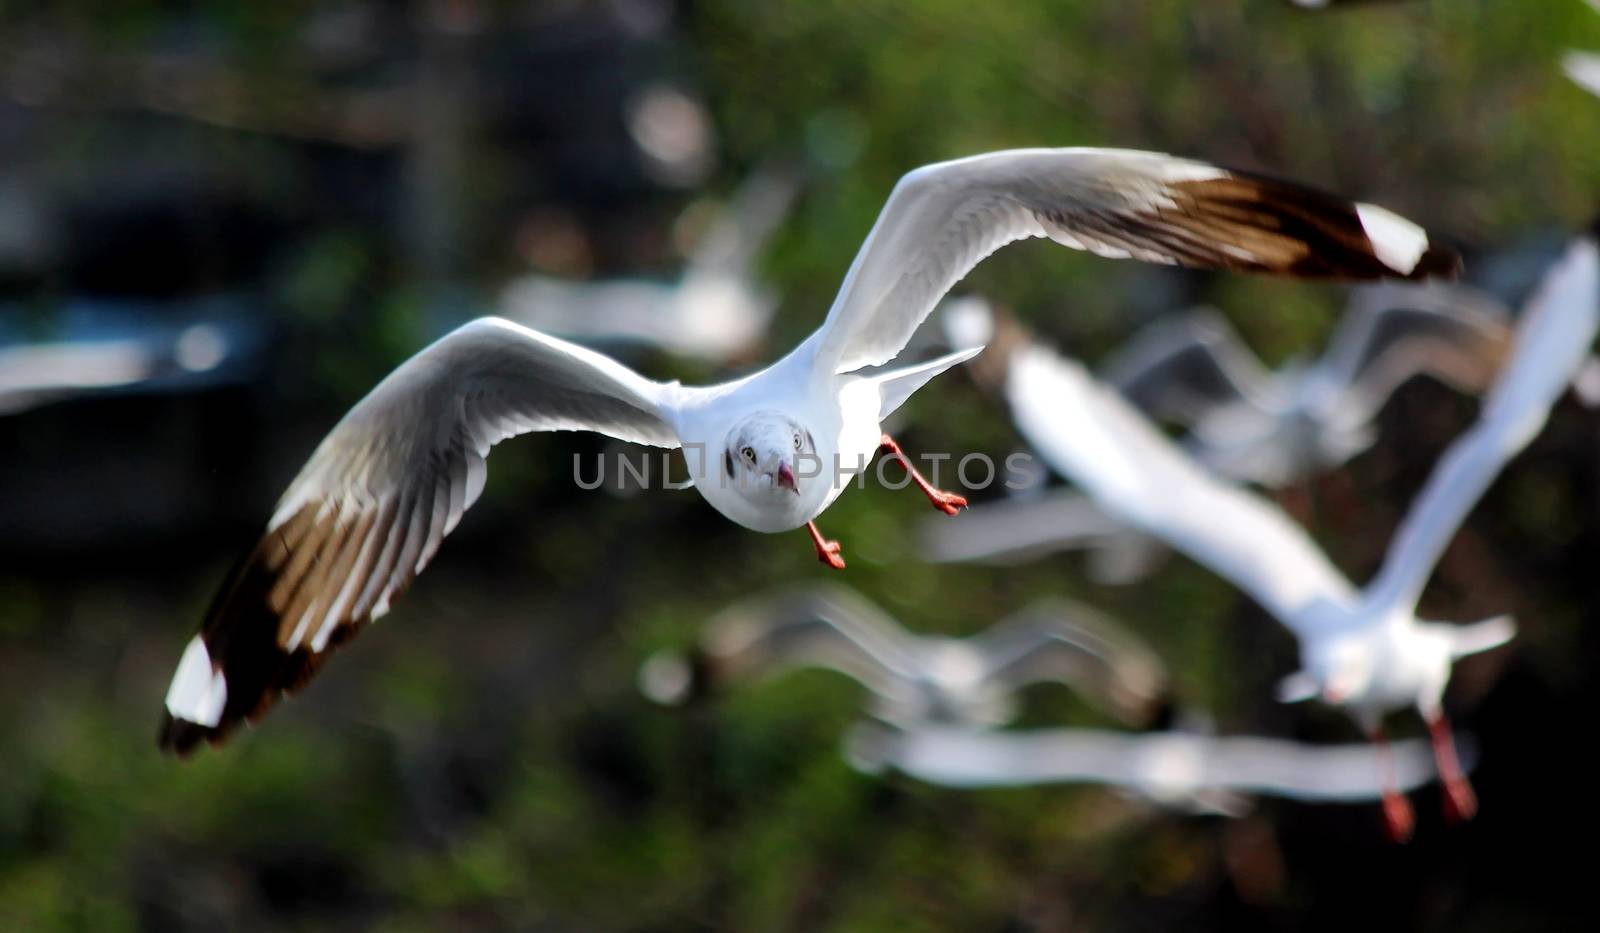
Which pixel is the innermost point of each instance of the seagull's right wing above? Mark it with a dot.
(1091, 435)
(1069, 643)
(1178, 369)
(1552, 342)
(943, 219)
(371, 506)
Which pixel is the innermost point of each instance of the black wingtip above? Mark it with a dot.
(1437, 262)
(181, 737)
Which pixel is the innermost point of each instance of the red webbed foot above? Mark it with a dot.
(1460, 803)
(947, 502)
(827, 551)
(1398, 818)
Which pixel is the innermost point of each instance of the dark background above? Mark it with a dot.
(345, 183)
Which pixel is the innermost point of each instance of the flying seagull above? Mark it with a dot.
(1174, 769)
(771, 450)
(917, 679)
(1252, 424)
(1365, 651)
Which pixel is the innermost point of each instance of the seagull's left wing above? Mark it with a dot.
(372, 505)
(1552, 342)
(943, 219)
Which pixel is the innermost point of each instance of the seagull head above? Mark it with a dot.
(1341, 668)
(768, 455)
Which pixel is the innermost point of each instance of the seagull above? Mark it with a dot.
(916, 679)
(715, 311)
(1254, 425)
(1365, 651)
(771, 450)
(1184, 770)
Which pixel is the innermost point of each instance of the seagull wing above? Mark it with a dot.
(1584, 70)
(1164, 765)
(812, 626)
(1313, 772)
(1092, 436)
(1010, 531)
(1552, 342)
(1374, 353)
(1181, 368)
(369, 509)
(1072, 644)
(943, 219)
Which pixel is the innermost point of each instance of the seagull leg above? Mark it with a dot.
(1460, 803)
(1397, 815)
(947, 502)
(827, 551)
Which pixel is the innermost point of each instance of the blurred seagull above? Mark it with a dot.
(716, 311)
(771, 450)
(1203, 773)
(1251, 424)
(1365, 651)
(918, 679)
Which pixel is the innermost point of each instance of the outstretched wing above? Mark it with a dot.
(1165, 765)
(1091, 435)
(943, 219)
(811, 626)
(1070, 643)
(369, 509)
(1178, 369)
(1376, 351)
(1552, 343)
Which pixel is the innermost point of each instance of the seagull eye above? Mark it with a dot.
(797, 442)
(749, 454)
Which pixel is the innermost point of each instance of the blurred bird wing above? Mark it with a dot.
(1092, 436)
(1067, 642)
(730, 247)
(1374, 353)
(1179, 369)
(1013, 530)
(1313, 772)
(1157, 764)
(633, 310)
(814, 626)
(943, 219)
(1552, 341)
(369, 509)
(1584, 70)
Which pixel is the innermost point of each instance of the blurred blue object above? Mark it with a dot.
(114, 346)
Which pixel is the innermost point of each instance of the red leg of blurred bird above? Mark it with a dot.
(1460, 803)
(947, 502)
(827, 551)
(1398, 817)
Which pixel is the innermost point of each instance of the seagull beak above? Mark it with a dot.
(786, 478)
